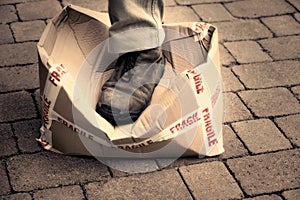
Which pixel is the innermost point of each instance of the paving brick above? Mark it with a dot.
(28, 31)
(230, 82)
(7, 14)
(266, 197)
(18, 196)
(8, 147)
(291, 127)
(232, 145)
(5, 34)
(13, 54)
(296, 91)
(267, 173)
(67, 192)
(38, 10)
(37, 98)
(282, 25)
(210, 181)
(18, 78)
(235, 110)
(261, 136)
(292, 194)
(212, 12)
(3, 2)
(121, 167)
(259, 8)
(169, 3)
(296, 3)
(18, 105)
(4, 184)
(158, 185)
(242, 30)
(183, 161)
(225, 57)
(51, 170)
(252, 52)
(283, 47)
(190, 2)
(97, 5)
(297, 16)
(271, 74)
(27, 132)
(179, 14)
(271, 102)
(5, 131)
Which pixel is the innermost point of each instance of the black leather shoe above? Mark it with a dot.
(129, 90)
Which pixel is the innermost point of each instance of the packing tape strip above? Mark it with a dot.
(166, 134)
(56, 78)
(201, 90)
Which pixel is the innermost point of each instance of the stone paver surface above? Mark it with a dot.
(269, 74)
(26, 31)
(267, 173)
(212, 12)
(38, 10)
(235, 110)
(26, 133)
(292, 194)
(291, 127)
(8, 14)
(5, 34)
(161, 185)
(254, 52)
(282, 48)
(200, 177)
(261, 136)
(18, 53)
(259, 54)
(242, 30)
(177, 14)
(233, 146)
(282, 25)
(230, 81)
(19, 78)
(4, 184)
(259, 8)
(44, 170)
(18, 105)
(271, 102)
(68, 192)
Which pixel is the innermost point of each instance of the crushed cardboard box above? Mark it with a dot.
(185, 114)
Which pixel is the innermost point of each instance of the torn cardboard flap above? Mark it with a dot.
(180, 120)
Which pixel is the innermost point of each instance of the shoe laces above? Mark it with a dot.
(127, 61)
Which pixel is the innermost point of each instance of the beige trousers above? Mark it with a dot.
(136, 25)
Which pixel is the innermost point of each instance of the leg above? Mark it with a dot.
(136, 25)
(136, 33)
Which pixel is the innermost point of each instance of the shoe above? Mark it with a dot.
(129, 90)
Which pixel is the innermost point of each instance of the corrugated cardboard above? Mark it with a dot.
(181, 120)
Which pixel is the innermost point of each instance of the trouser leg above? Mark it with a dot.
(136, 25)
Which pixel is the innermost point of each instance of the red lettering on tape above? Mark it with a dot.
(135, 146)
(215, 96)
(200, 27)
(197, 81)
(185, 123)
(46, 106)
(208, 128)
(74, 128)
(57, 74)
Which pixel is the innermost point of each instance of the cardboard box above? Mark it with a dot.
(184, 117)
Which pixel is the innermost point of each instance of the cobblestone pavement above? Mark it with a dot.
(260, 51)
